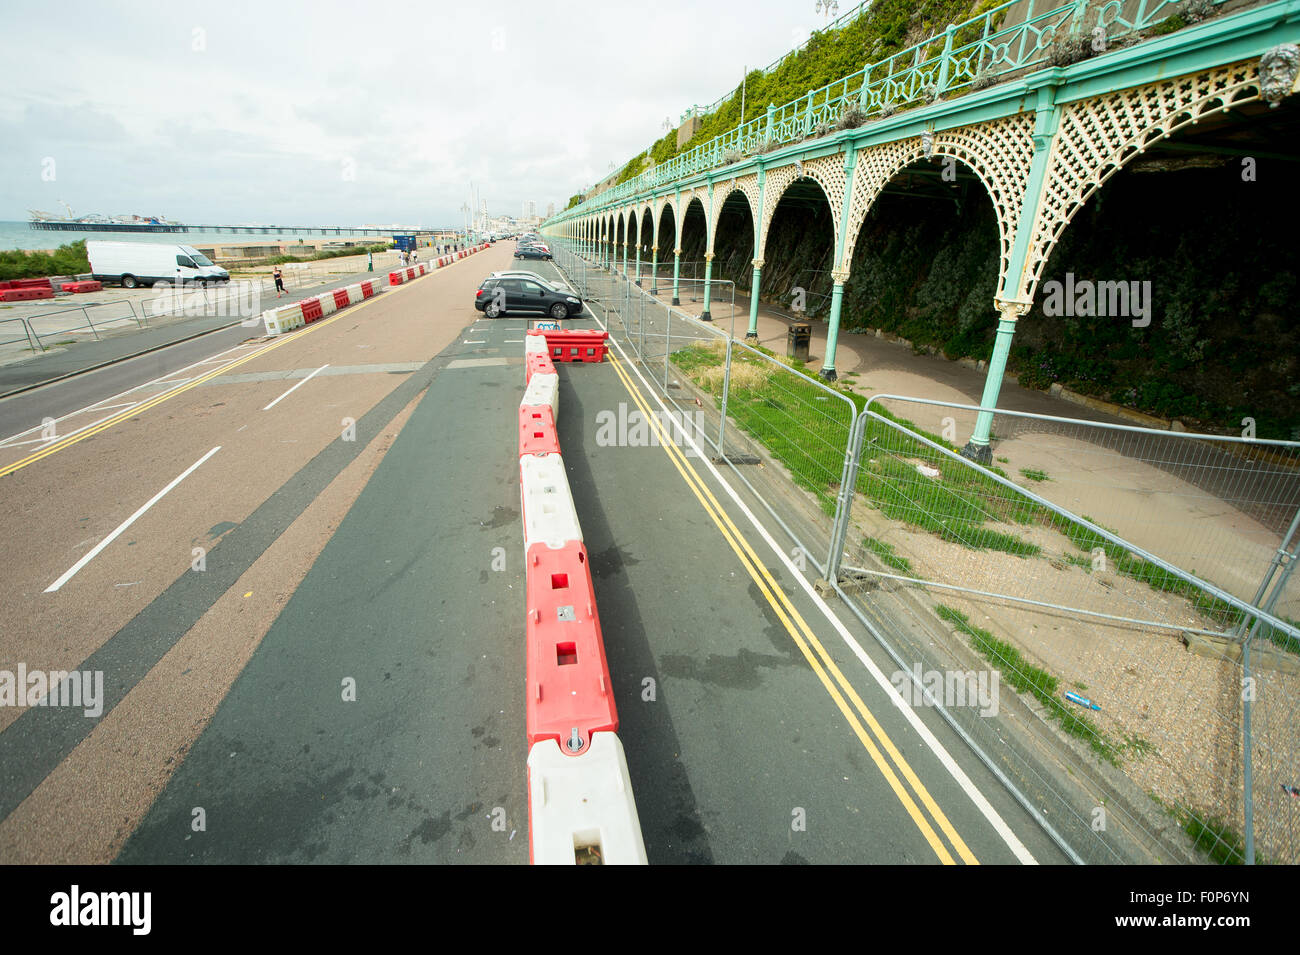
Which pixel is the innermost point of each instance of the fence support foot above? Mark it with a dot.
(979, 453)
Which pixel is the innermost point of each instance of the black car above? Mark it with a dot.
(501, 295)
(532, 252)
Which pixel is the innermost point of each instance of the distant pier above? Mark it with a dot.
(216, 229)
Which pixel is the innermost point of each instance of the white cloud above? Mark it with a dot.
(249, 112)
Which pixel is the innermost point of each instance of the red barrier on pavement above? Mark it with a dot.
(395, 278)
(577, 345)
(311, 310)
(537, 363)
(367, 289)
(569, 693)
(27, 283)
(537, 430)
(78, 287)
(341, 298)
(25, 294)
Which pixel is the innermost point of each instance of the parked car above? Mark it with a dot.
(498, 296)
(144, 263)
(533, 252)
(557, 284)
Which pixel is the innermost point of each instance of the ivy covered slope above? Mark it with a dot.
(885, 28)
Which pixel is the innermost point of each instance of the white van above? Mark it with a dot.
(143, 263)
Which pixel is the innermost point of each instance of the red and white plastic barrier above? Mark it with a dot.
(407, 273)
(286, 318)
(580, 808)
(543, 389)
(580, 803)
(549, 515)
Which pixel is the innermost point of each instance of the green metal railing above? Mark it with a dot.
(965, 53)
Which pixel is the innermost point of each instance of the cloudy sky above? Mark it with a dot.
(350, 113)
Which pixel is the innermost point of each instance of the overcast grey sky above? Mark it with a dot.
(343, 113)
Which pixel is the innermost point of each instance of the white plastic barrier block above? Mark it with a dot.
(543, 389)
(580, 808)
(535, 345)
(550, 517)
(283, 319)
(354, 294)
(327, 305)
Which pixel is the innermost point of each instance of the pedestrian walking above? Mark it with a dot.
(279, 282)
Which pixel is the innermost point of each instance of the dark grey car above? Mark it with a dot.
(499, 296)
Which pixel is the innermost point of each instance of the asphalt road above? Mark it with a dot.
(341, 680)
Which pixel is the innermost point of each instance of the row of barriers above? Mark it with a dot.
(399, 276)
(286, 318)
(581, 810)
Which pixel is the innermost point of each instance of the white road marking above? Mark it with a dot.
(94, 551)
(958, 774)
(474, 342)
(295, 387)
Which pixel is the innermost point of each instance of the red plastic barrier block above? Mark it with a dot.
(537, 433)
(25, 294)
(78, 287)
(341, 298)
(394, 278)
(577, 345)
(410, 273)
(367, 289)
(31, 283)
(535, 363)
(311, 310)
(569, 692)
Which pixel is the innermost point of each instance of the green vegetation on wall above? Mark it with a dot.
(886, 27)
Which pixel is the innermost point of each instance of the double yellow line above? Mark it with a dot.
(872, 735)
(134, 410)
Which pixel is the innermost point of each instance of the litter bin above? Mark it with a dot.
(798, 339)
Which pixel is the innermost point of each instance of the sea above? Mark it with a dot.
(19, 235)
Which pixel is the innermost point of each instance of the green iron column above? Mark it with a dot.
(677, 272)
(638, 255)
(751, 335)
(654, 268)
(711, 228)
(1013, 300)
(677, 247)
(841, 272)
(708, 278)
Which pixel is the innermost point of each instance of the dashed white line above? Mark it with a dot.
(295, 387)
(94, 551)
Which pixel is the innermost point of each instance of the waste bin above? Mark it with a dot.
(798, 339)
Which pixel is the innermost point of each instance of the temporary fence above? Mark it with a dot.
(1132, 586)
